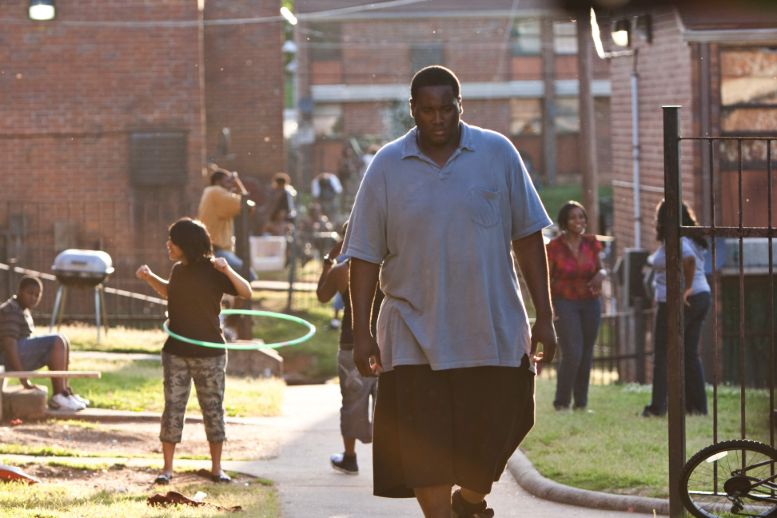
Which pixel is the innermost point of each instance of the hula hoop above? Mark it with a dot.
(253, 345)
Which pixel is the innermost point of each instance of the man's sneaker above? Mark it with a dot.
(83, 403)
(78, 398)
(463, 509)
(64, 402)
(344, 463)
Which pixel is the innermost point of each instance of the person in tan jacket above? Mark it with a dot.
(219, 205)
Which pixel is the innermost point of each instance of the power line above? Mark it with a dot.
(185, 24)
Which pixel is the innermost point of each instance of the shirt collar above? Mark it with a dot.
(410, 141)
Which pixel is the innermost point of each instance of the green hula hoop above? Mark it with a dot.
(253, 345)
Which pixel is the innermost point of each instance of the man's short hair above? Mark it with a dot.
(281, 178)
(29, 280)
(434, 75)
(218, 175)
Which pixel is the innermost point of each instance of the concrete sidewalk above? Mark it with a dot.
(309, 488)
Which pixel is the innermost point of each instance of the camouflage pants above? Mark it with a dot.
(208, 375)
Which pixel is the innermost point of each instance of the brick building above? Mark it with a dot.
(716, 61)
(112, 110)
(354, 66)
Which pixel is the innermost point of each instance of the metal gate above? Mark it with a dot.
(736, 174)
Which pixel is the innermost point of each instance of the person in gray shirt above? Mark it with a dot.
(437, 219)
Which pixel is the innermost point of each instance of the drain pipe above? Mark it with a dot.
(635, 154)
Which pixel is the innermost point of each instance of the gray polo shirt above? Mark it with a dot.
(443, 237)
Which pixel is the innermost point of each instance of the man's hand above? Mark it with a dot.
(366, 356)
(26, 384)
(335, 250)
(543, 332)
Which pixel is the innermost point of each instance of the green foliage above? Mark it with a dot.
(118, 339)
(612, 448)
(320, 352)
(556, 196)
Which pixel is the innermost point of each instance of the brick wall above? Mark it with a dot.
(72, 94)
(244, 87)
(665, 77)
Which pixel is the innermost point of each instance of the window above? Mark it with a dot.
(565, 38)
(525, 38)
(748, 94)
(327, 120)
(324, 40)
(424, 55)
(158, 158)
(525, 117)
(567, 115)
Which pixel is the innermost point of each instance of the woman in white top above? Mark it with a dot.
(697, 298)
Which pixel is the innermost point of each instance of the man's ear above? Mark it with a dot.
(410, 106)
(459, 106)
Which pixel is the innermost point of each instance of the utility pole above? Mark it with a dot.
(549, 102)
(587, 135)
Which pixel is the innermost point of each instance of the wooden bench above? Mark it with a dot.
(31, 404)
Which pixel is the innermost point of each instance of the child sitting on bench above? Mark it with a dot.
(20, 351)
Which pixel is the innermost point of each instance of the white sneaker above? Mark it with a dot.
(80, 399)
(63, 402)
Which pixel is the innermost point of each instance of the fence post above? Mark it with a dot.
(292, 267)
(638, 308)
(674, 308)
(243, 251)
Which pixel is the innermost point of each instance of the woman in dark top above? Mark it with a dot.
(193, 292)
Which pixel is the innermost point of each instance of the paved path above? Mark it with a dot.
(309, 488)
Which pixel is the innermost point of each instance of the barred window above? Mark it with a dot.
(157, 158)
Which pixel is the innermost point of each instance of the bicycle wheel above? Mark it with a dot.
(731, 478)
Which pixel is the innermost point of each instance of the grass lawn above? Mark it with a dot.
(555, 197)
(320, 350)
(613, 448)
(137, 386)
(66, 497)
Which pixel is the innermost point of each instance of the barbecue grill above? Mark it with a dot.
(81, 269)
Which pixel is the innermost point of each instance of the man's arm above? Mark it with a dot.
(363, 281)
(333, 279)
(12, 360)
(239, 187)
(533, 262)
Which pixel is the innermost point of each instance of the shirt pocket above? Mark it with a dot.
(483, 206)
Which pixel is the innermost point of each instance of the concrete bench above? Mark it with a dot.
(31, 404)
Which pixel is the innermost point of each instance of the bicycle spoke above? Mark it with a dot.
(733, 479)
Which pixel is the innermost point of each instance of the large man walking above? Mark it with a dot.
(440, 209)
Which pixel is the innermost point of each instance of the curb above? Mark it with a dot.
(532, 481)
(107, 415)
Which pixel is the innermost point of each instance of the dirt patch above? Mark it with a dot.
(244, 441)
(121, 479)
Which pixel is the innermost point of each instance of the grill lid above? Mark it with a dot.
(82, 263)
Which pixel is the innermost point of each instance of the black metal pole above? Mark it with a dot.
(674, 306)
(292, 266)
(243, 251)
